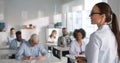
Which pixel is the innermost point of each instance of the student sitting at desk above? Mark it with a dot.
(32, 50)
(52, 38)
(65, 40)
(78, 46)
(11, 36)
(15, 43)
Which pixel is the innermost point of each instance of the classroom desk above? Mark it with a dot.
(60, 51)
(4, 47)
(52, 59)
(5, 53)
(48, 60)
(72, 57)
(12, 61)
(50, 46)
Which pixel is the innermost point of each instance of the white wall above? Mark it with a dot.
(68, 7)
(19, 11)
(3, 35)
(115, 5)
(25, 12)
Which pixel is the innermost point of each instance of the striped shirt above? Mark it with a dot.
(15, 44)
(27, 50)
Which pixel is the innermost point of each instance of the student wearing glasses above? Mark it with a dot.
(32, 50)
(104, 44)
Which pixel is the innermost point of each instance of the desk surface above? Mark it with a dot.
(12, 61)
(62, 48)
(7, 52)
(48, 60)
(52, 60)
(51, 44)
(73, 56)
(4, 47)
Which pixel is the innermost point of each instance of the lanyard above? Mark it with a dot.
(81, 48)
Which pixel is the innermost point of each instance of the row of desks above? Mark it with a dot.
(6, 52)
(48, 60)
(59, 52)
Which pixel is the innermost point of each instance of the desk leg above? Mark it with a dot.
(70, 60)
(57, 53)
(60, 54)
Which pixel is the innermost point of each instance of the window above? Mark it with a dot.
(78, 17)
(2, 26)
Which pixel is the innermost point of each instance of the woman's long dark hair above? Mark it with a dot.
(111, 19)
(52, 33)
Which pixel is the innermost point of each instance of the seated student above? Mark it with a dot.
(15, 43)
(11, 36)
(52, 38)
(32, 50)
(65, 40)
(78, 45)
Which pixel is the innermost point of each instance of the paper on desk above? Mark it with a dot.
(33, 61)
(83, 55)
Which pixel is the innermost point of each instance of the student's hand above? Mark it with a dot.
(24, 58)
(82, 53)
(27, 58)
(30, 58)
(62, 45)
(40, 58)
(81, 60)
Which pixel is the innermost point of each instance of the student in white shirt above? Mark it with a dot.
(53, 38)
(104, 44)
(78, 45)
(11, 36)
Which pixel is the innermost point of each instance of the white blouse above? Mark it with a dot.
(52, 40)
(102, 47)
(75, 48)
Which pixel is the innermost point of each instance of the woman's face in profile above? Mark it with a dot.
(95, 15)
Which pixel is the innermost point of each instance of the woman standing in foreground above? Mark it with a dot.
(104, 44)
